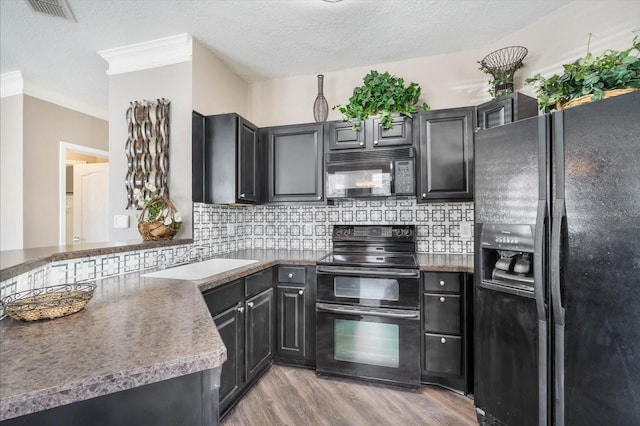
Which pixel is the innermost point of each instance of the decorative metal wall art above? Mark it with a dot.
(147, 149)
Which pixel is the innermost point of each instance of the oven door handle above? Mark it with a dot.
(381, 273)
(354, 311)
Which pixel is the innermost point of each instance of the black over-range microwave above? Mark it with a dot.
(377, 173)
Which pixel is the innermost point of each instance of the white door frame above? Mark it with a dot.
(62, 179)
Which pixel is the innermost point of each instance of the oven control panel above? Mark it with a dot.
(367, 232)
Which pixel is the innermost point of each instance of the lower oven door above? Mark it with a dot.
(374, 344)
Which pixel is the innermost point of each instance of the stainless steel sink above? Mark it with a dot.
(200, 270)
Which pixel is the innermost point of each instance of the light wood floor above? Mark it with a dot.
(295, 397)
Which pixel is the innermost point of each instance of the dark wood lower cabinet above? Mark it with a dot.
(184, 400)
(446, 331)
(296, 298)
(243, 312)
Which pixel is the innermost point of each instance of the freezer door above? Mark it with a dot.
(595, 262)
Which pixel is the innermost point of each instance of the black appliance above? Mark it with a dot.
(368, 305)
(379, 173)
(557, 283)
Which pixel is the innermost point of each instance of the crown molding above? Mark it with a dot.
(150, 54)
(11, 84)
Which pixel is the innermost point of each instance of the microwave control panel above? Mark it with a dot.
(405, 178)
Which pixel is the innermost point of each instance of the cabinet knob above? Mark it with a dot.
(424, 195)
(443, 340)
(300, 292)
(291, 275)
(241, 195)
(250, 304)
(442, 283)
(241, 309)
(375, 142)
(319, 198)
(361, 143)
(442, 299)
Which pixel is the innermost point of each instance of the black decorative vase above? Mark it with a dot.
(320, 106)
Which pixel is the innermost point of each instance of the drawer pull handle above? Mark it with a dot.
(442, 299)
(442, 283)
(443, 340)
(291, 275)
(301, 292)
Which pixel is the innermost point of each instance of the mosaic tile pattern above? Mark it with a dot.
(220, 229)
(294, 227)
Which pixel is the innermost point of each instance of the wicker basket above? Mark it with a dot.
(48, 302)
(587, 98)
(155, 230)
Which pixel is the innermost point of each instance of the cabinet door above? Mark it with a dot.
(294, 163)
(342, 135)
(291, 322)
(400, 133)
(230, 324)
(442, 354)
(259, 332)
(495, 113)
(248, 163)
(197, 158)
(446, 155)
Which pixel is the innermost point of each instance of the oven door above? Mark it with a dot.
(359, 179)
(374, 344)
(374, 287)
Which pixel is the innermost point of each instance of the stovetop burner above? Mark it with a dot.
(388, 246)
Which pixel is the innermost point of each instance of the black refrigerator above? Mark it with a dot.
(557, 268)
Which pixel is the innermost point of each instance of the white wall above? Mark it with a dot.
(174, 83)
(453, 80)
(11, 169)
(216, 89)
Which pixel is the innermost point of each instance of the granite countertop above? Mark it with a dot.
(135, 331)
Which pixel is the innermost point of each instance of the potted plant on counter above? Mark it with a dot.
(590, 78)
(381, 94)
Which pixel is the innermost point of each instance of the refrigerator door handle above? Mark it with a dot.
(556, 240)
(538, 259)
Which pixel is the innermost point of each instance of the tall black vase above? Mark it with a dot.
(320, 106)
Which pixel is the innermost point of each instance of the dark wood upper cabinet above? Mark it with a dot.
(400, 133)
(506, 109)
(371, 134)
(225, 159)
(446, 154)
(294, 163)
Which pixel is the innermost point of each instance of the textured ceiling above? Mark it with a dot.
(258, 39)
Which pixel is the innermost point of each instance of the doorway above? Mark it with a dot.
(83, 185)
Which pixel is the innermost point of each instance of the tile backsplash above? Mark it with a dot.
(221, 229)
(308, 227)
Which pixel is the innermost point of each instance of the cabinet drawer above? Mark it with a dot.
(292, 274)
(442, 354)
(223, 297)
(444, 282)
(441, 313)
(259, 281)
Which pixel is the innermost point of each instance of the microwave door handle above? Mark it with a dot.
(392, 181)
(321, 307)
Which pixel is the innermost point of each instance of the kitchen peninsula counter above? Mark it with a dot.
(135, 331)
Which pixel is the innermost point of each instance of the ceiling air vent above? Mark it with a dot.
(58, 8)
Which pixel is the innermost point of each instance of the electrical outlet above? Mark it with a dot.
(466, 229)
(231, 229)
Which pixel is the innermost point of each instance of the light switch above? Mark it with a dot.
(121, 221)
